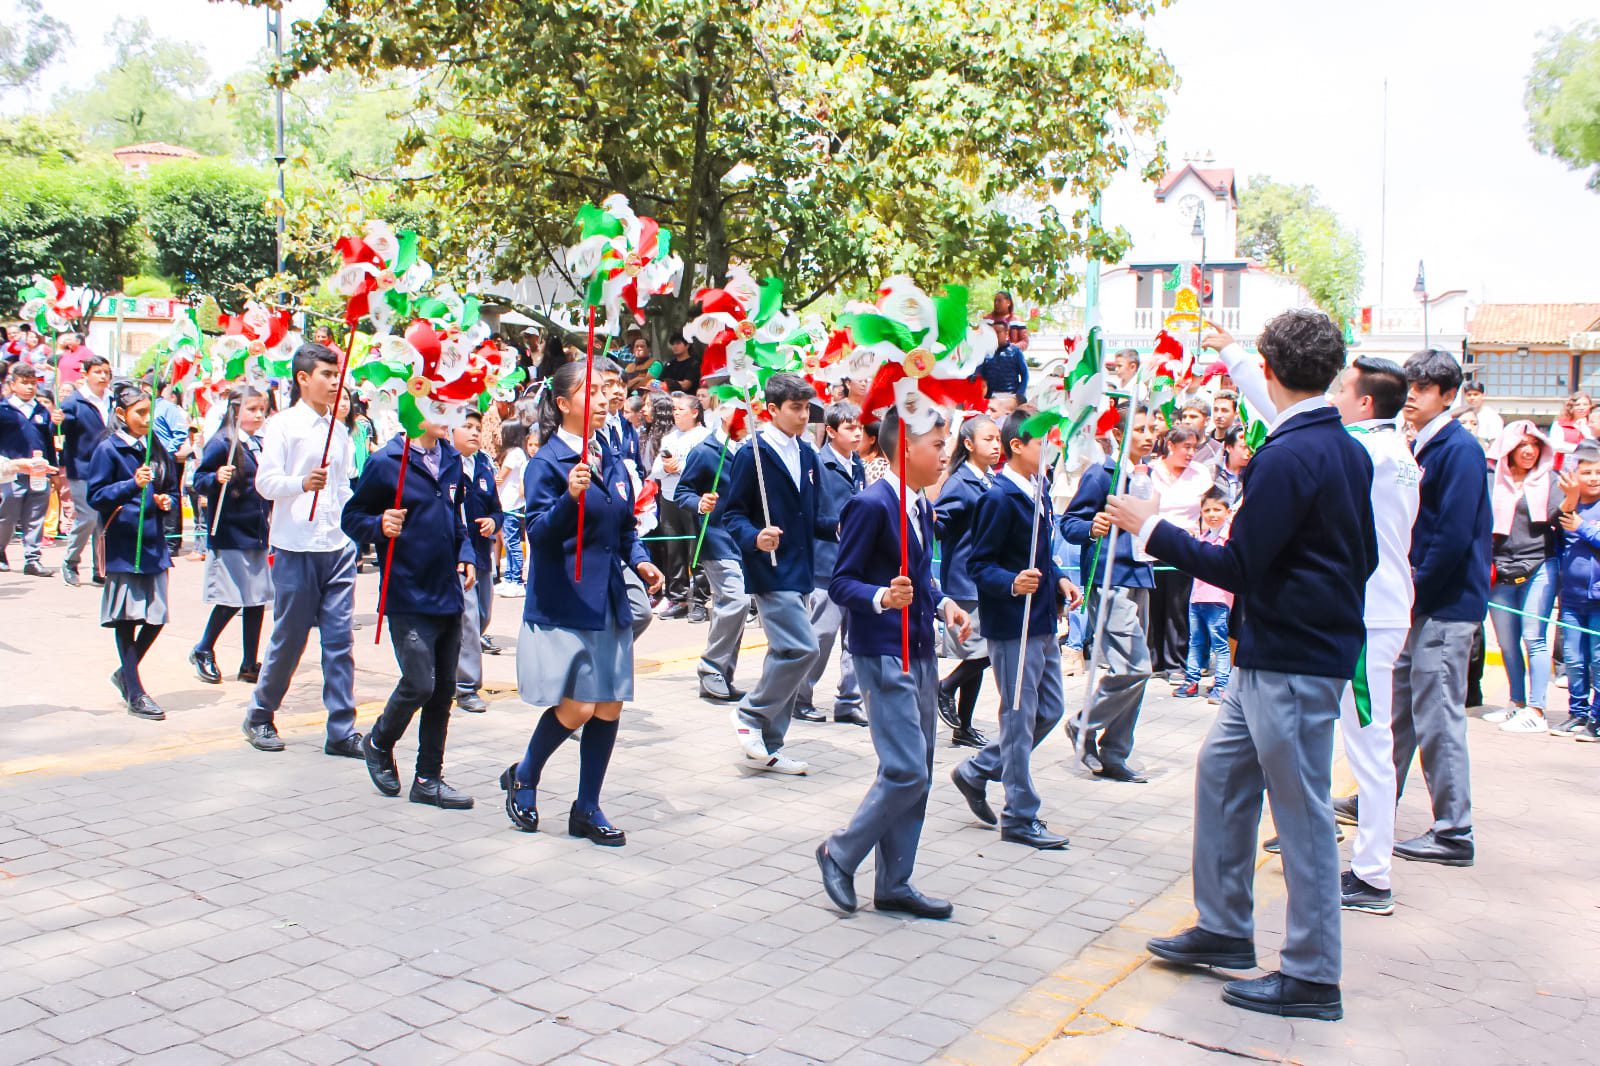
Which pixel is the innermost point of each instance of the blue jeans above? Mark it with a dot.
(1208, 634)
(512, 532)
(1516, 633)
(1581, 653)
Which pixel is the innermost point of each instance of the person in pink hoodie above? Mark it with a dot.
(1527, 542)
(1208, 608)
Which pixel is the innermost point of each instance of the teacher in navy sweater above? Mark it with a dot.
(1298, 560)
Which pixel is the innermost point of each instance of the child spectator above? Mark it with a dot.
(1580, 591)
(1208, 608)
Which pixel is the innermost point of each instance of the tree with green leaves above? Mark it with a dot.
(30, 41)
(80, 222)
(208, 221)
(1288, 228)
(827, 141)
(1563, 98)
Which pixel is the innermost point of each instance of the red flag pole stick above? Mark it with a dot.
(588, 388)
(388, 556)
(333, 419)
(905, 559)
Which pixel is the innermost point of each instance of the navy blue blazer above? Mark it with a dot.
(433, 539)
(836, 484)
(952, 518)
(115, 497)
(1002, 549)
(245, 520)
(84, 429)
(622, 438)
(22, 435)
(610, 540)
(794, 510)
(699, 476)
(1452, 542)
(1301, 550)
(480, 499)
(869, 558)
(1077, 525)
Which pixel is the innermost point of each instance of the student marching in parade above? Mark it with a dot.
(840, 476)
(480, 500)
(1301, 551)
(131, 487)
(237, 578)
(971, 474)
(773, 515)
(702, 488)
(423, 601)
(27, 432)
(902, 698)
(1012, 567)
(575, 652)
(313, 561)
(85, 416)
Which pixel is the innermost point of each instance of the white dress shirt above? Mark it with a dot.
(291, 447)
(102, 402)
(1429, 431)
(788, 449)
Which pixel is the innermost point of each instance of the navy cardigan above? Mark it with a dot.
(952, 516)
(1451, 542)
(422, 578)
(245, 520)
(1300, 552)
(115, 497)
(1002, 549)
(1077, 525)
(21, 435)
(84, 429)
(481, 499)
(869, 558)
(794, 510)
(610, 540)
(836, 484)
(699, 477)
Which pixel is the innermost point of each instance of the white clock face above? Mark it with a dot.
(1189, 205)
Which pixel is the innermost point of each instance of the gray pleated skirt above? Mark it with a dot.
(134, 598)
(590, 666)
(974, 647)
(237, 577)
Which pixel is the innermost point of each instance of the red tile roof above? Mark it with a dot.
(1531, 323)
(1218, 181)
(176, 151)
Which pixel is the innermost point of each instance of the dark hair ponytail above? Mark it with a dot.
(969, 429)
(124, 394)
(566, 381)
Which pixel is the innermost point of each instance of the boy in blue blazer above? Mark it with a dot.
(1011, 562)
(773, 516)
(423, 604)
(702, 491)
(84, 417)
(480, 503)
(27, 429)
(1302, 547)
(902, 698)
(840, 476)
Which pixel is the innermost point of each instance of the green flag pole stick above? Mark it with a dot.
(149, 445)
(705, 520)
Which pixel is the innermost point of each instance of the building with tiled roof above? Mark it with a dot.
(1529, 356)
(136, 159)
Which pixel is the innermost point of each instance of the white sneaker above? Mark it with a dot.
(1501, 715)
(1526, 720)
(779, 763)
(749, 737)
(509, 590)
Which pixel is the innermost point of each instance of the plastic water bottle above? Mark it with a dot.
(38, 482)
(1139, 484)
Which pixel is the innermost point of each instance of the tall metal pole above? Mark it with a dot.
(275, 38)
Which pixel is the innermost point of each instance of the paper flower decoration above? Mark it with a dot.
(1186, 305)
(255, 344)
(749, 337)
(50, 305)
(622, 259)
(380, 275)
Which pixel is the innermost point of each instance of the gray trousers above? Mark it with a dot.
(638, 602)
(85, 529)
(900, 714)
(311, 589)
(474, 620)
(1009, 757)
(22, 507)
(1113, 709)
(827, 621)
(791, 649)
(1430, 715)
(1274, 732)
(730, 604)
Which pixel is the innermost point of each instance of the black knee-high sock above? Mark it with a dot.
(964, 672)
(971, 689)
(594, 755)
(128, 656)
(252, 634)
(147, 636)
(220, 617)
(548, 735)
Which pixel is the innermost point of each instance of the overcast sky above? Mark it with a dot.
(1294, 90)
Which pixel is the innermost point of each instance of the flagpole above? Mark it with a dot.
(1033, 552)
(149, 446)
(333, 414)
(705, 520)
(233, 450)
(388, 558)
(588, 389)
(905, 553)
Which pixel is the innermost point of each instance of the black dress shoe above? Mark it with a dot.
(718, 689)
(263, 737)
(1196, 947)
(471, 702)
(142, 706)
(35, 570)
(116, 683)
(523, 818)
(489, 646)
(1270, 845)
(380, 767)
(968, 738)
(250, 672)
(698, 614)
(947, 709)
(1084, 744)
(849, 716)
(809, 714)
(350, 748)
(98, 580)
(838, 884)
(1036, 835)
(1116, 770)
(434, 792)
(1346, 810)
(205, 666)
(1429, 848)
(1279, 994)
(915, 904)
(976, 797)
(580, 824)
(677, 609)
(69, 577)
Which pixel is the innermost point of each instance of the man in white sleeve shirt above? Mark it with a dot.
(314, 563)
(1369, 396)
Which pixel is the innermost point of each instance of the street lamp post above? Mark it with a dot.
(1421, 289)
(275, 39)
(1199, 230)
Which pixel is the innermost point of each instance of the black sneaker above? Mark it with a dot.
(1346, 810)
(380, 767)
(1571, 727)
(947, 709)
(1356, 895)
(1589, 734)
